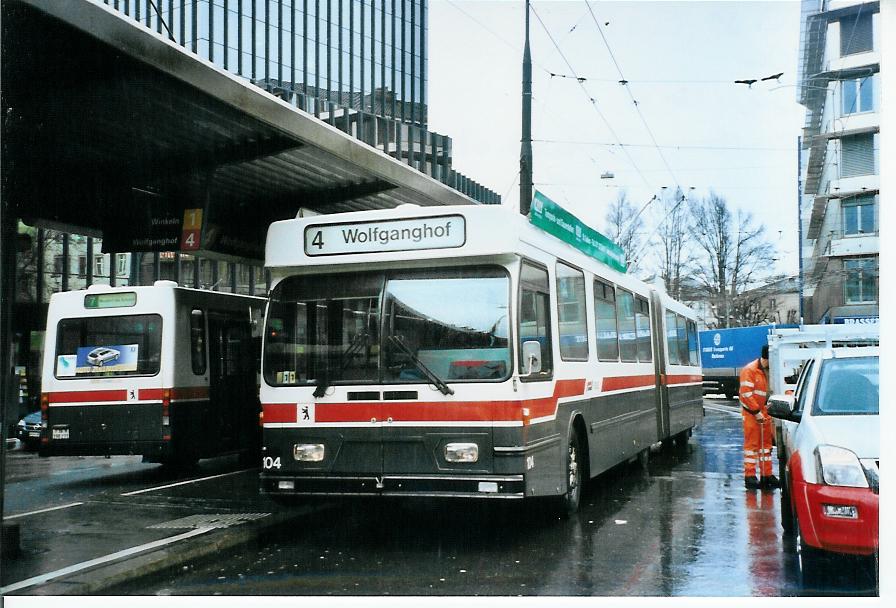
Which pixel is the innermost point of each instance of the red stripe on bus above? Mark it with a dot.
(618, 383)
(432, 411)
(189, 392)
(279, 412)
(143, 394)
(683, 379)
(87, 396)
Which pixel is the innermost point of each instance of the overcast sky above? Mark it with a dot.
(680, 59)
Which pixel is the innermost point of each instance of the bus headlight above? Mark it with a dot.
(462, 452)
(308, 452)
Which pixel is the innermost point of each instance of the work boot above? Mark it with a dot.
(769, 482)
(750, 483)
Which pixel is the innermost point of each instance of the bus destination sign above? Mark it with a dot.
(441, 232)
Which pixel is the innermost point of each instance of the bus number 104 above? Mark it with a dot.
(270, 463)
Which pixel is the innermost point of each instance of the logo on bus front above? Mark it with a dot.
(448, 231)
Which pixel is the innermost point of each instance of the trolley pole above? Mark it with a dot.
(526, 140)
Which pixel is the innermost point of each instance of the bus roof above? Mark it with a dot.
(309, 244)
(158, 287)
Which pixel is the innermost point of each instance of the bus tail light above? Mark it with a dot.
(166, 406)
(261, 418)
(44, 408)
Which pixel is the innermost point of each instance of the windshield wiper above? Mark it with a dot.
(438, 382)
(357, 343)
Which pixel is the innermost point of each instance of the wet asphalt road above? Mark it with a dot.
(683, 527)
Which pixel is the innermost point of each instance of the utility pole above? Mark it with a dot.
(526, 140)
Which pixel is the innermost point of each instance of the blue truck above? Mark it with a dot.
(723, 352)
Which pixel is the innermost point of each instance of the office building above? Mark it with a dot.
(839, 85)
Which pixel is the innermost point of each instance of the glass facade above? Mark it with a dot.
(360, 65)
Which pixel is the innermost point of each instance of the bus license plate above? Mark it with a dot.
(34, 433)
(60, 433)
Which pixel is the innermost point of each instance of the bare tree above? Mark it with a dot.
(671, 239)
(624, 225)
(734, 254)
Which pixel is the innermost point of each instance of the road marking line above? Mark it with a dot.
(44, 578)
(724, 410)
(17, 515)
(180, 483)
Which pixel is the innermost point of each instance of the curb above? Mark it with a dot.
(100, 578)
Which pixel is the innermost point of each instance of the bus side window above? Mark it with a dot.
(197, 341)
(642, 325)
(625, 314)
(693, 350)
(682, 340)
(535, 316)
(672, 338)
(571, 314)
(605, 322)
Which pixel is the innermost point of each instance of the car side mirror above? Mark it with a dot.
(781, 406)
(531, 357)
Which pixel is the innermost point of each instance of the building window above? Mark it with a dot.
(857, 95)
(857, 155)
(122, 259)
(861, 280)
(58, 264)
(82, 266)
(97, 265)
(856, 34)
(858, 215)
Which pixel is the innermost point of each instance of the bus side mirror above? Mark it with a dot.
(532, 357)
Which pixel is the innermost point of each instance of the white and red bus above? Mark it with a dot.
(461, 351)
(164, 371)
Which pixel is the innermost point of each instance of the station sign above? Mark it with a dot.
(436, 232)
(557, 221)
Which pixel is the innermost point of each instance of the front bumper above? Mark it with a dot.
(858, 536)
(448, 486)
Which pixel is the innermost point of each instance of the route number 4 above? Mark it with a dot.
(270, 463)
(318, 240)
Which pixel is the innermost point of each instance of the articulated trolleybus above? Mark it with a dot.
(462, 352)
(164, 371)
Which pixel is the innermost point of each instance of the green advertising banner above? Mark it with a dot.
(557, 221)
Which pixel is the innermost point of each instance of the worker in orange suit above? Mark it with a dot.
(758, 427)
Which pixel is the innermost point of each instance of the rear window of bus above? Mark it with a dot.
(97, 347)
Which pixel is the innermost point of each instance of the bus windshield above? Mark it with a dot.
(93, 347)
(397, 327)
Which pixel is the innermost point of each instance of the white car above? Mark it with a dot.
(102, 355)
(829, 448)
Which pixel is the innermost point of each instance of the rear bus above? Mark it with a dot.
(159, 371)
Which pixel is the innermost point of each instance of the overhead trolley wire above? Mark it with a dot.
(591, 99)
(628, 89)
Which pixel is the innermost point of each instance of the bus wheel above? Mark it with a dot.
(644, 460)
(569, 501)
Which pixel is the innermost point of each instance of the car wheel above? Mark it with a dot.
(569, 501)
(787, 516)
(811, 560)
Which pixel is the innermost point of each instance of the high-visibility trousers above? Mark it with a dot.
(758, 439)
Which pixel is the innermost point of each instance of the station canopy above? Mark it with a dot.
(111, 130)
